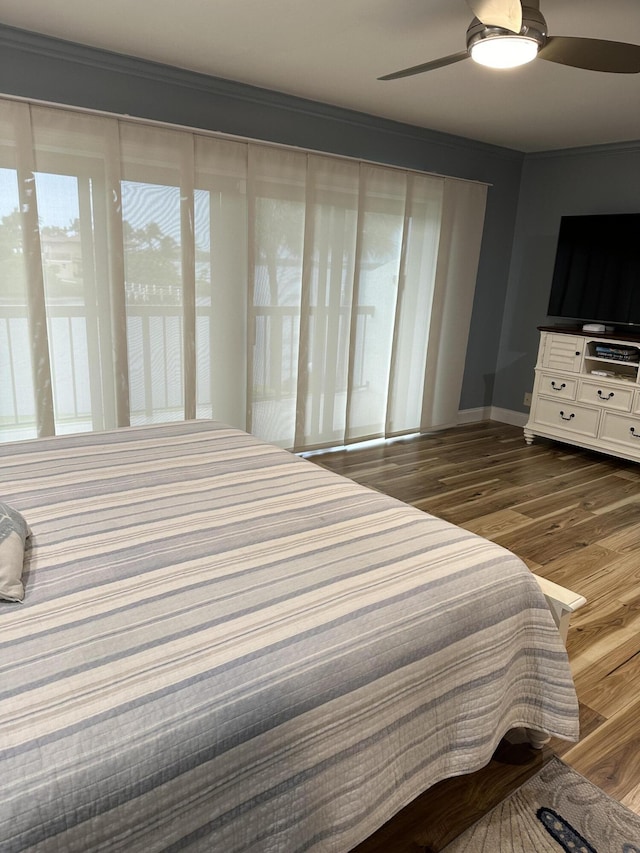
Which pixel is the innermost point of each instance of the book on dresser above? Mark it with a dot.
(587, 391)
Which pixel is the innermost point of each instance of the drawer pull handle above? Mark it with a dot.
(558, 387)
(578, 353)
(602, 396)
(633, 432)
(572, 415)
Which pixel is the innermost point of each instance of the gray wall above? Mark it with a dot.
(602, 179)
(47, 69)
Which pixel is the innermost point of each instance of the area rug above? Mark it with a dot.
(556, 810)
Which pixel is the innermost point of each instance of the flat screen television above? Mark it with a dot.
(596, 277)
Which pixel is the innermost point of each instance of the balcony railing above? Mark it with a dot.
(156, 361)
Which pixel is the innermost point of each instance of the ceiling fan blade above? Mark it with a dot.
(427, 66)
(498, 13)
(592, 54)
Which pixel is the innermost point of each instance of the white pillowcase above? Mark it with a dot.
(14, 530)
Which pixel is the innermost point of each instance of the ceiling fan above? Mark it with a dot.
(506, 33)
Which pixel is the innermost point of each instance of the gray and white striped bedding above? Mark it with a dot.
(224, 647)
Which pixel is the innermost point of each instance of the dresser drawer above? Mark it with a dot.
(611, 396)
(560, 387)
(621, 429)
(567, 416)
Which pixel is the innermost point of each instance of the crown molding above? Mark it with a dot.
(59, 50)
(631, 146)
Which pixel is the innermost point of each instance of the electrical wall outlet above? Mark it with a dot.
(527, 398)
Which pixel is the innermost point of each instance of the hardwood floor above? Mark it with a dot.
(574, 517)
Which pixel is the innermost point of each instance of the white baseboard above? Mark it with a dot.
(474, 416)
(492, 413)
(508, 416)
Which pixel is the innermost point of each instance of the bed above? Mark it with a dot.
(225, 647)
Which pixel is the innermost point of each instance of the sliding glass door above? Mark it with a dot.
(151, 274)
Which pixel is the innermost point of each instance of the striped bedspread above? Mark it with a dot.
(224, 647)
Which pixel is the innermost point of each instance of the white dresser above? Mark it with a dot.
(586, 391)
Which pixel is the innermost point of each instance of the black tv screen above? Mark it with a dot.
(596, 277)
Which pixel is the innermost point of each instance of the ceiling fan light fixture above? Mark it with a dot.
(492, 42)
(504, 51)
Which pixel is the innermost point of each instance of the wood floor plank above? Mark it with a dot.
(606, 491)
(625, 540)
(632, 799)
(450, 498)
(630, 473)
(549, 537)
(599, 630)
(612, 657)
(609, 582)
(611, 694)
(569, 531)
(516, 470)
(497, 523)
(573, 569)
(608, 757)
(512, 497)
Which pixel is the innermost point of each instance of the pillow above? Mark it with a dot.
(13, 532)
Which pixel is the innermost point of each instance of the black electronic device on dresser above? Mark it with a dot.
(596, 276)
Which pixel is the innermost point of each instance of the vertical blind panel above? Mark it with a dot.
(153, 164)
(153, 298)
(17, 391)
(277, 206)
(188, 259)
(422, 232)
(65, 299)
(381, 212)
(221, 279)
(34, 284)
(71, 158)
(457, 267)
(329, 264)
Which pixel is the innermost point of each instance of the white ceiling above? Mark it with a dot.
(333, 51)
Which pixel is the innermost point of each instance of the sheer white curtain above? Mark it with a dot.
(150, 274)
(62, 346)
(157, 191)
(221, 279)
(327, 308)
(454, 286)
